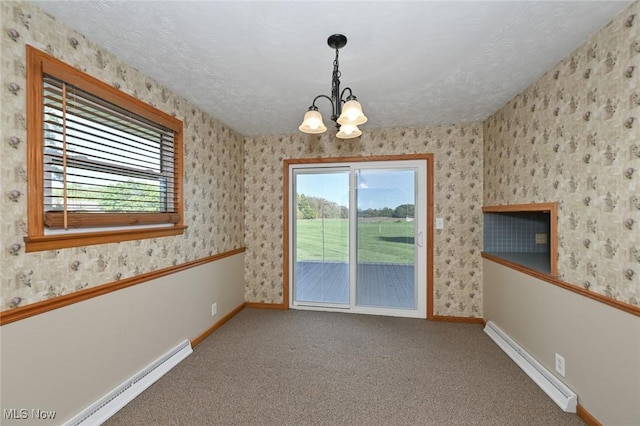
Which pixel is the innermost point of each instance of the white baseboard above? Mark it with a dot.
(105, 407)
(550, 384)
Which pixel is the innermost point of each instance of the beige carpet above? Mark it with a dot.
(300, 368)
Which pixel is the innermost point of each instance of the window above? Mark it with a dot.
(103, 166)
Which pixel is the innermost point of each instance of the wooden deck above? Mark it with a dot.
(379, 284)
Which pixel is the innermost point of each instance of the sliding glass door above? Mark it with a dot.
(386, 238)
(322, 236)
(357, 237)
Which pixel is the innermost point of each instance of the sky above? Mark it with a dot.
(376, 188)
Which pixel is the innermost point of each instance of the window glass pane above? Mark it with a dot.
(108, 159)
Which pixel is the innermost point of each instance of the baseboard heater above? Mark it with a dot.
(550, 384)
(105, 407)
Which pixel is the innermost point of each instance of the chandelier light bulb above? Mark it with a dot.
(312, 123)
(352, 113)
(348, 131)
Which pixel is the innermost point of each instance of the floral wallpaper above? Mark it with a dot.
(571, 137)
(457, 153)
(574, 137)
(213, 177)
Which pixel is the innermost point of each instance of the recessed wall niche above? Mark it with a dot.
(522, 234)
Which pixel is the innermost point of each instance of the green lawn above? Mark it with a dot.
(378, 241)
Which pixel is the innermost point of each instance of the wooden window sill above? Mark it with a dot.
(58, 241)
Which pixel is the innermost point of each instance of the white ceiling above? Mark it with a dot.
(256, 65)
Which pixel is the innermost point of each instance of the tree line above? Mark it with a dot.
(316, 207)
(129, 196)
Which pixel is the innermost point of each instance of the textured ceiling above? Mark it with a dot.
(257, 65)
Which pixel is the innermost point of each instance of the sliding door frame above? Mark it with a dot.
(286, 212)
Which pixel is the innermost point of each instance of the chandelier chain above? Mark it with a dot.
(335, 88)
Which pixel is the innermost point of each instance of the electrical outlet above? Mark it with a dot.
(439, 223)
(214, 309)
(560, 364)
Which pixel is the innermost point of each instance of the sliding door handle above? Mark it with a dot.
(420, 239)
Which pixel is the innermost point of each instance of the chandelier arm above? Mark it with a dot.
(350, 97)
(313, 105)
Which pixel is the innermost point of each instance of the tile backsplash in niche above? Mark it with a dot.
(515, 232)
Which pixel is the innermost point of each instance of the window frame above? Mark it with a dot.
(124, 226)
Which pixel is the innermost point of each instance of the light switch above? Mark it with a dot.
(439, 223)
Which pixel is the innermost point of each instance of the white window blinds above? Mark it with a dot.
(103, 165)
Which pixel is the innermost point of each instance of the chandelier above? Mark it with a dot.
(346, 112)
